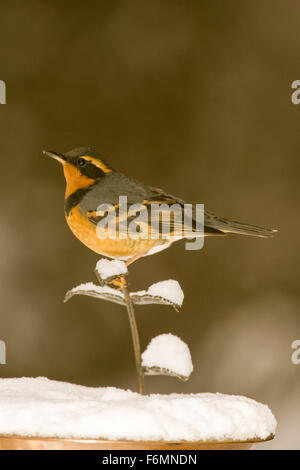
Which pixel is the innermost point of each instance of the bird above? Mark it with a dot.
(92, 183)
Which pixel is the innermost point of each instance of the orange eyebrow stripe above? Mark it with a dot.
(97, 163)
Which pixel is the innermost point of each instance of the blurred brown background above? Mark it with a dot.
(191, 96)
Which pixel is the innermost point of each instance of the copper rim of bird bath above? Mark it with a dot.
(51, 443)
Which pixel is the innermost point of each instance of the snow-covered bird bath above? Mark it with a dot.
(46, 408)
(38, 413)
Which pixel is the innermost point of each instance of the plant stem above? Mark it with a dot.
(135, 339)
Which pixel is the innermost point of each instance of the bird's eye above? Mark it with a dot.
(81, 161)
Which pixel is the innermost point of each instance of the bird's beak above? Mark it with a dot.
(58, 156)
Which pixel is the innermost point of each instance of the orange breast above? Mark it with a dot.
(85, 231)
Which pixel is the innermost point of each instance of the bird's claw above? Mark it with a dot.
(118, 282)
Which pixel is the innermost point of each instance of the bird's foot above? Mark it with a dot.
(111, 273)
(118, 282)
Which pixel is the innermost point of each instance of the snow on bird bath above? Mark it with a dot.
(169, 352)
(109, 268)
(47, 408)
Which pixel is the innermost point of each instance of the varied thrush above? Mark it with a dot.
(91, 182)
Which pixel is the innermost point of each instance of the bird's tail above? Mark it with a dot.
(231, 226)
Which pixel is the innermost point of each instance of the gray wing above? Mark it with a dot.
(113, 185)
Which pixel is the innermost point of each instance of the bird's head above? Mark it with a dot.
(82, 167)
